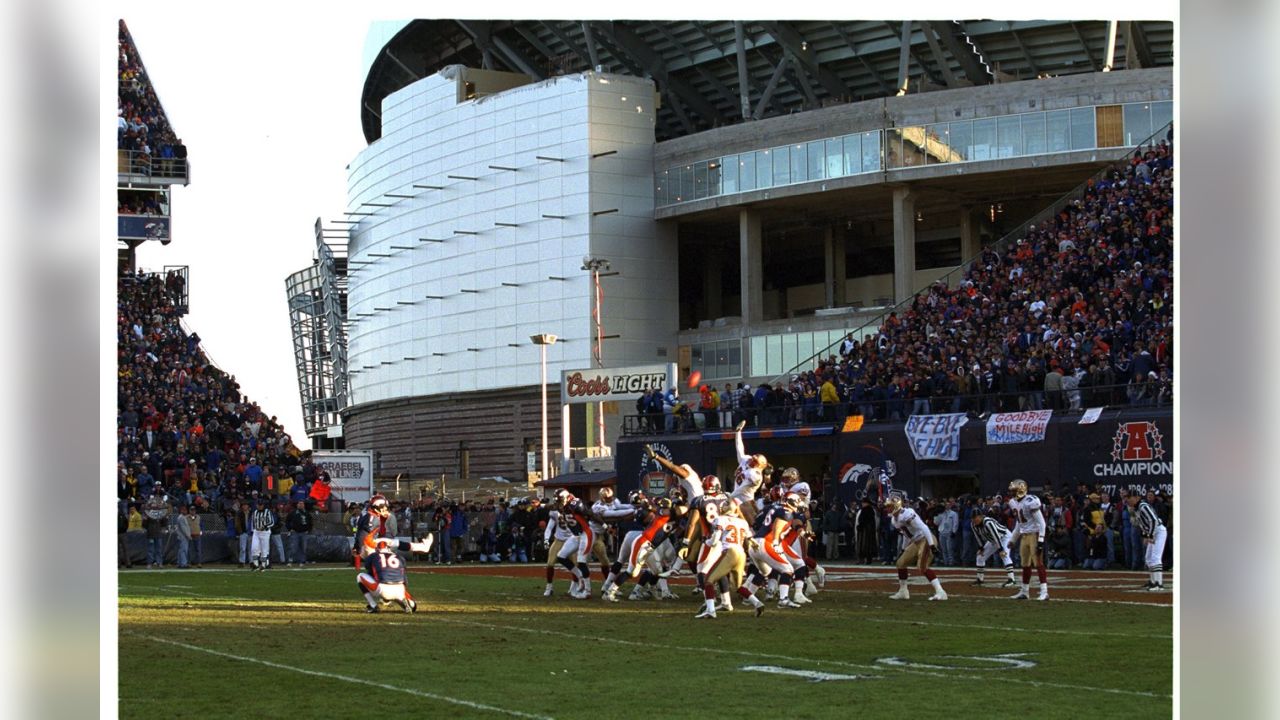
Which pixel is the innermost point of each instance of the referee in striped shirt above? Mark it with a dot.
(993, 537)
(1154, 536)
(261, 519)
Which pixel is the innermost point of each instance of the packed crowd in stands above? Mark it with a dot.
(142, 124)
(183, 427)
(1078, 313)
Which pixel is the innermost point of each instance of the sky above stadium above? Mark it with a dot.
(267, 102)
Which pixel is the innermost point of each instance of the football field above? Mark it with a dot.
(229, 643)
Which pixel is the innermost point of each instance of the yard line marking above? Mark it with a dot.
(1019, 629)
(811, 675)
(983, 598)
(344, 678)
(789, 658)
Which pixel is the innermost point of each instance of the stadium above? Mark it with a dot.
(908, 262)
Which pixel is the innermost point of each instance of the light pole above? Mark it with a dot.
(544, 340)
(595, 265)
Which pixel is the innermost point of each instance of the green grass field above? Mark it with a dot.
(294, 643)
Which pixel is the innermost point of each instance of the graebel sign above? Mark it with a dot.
(614, 384)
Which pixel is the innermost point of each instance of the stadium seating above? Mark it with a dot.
(145, 138)
(181, 421)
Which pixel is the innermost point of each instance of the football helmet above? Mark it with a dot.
(663, 504)
(775, 493)
(676, 496)
(791, 500)
(757, 461)
(711, 485)
(635, 497)
(1018, 488)
(562, 496)
(606, 494)
(378, 504)
(790, 477)
(895, 501)
(384, 543)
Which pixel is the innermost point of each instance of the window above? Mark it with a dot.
(984, 140)
(747, 171)
(1082, 129)
(728, 177)
(781, 165)
(1033, 142)
(713, 178)
(764, 174)
(758, 355)
(1058, 125)
(1009, 136)
(871, 151)
(852, 154)
(835, 158)
(817, 155)
(1161, 115)
(660, 188)
(1137, 123)
(686, 184)
(961, 137)
(935, 141)
(798, 167)
(700, 180)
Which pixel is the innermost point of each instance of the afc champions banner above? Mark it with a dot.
(935, 437)
(1018, 427)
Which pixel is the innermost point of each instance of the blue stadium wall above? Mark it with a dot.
(1070, 453)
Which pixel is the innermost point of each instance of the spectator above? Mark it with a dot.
(457, 534)
(1059, 548)
(197, 538)
(182, 531)
(1097, 559)
(300, 524)
(122, 537)
(155, 526)
(948, 524)
(278, 531)
(831, 526)
(489, 546)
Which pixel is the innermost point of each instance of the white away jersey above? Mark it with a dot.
(729, 529)
(909, 524)
(556, 523)
(1028, 515)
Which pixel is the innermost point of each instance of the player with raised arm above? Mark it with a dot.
(1154, 536)
(748, 478)
(797, 542)
(993, 538)
(371, 525)
(919, 548)
(632, 527)
(1029, 534)
(383, 579)
(606, 510)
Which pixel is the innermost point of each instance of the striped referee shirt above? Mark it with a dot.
(1148, 520)
(263, 519)
(991, 531)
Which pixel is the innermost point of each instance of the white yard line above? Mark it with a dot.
(345, 678)
(1019, 629)
(789, 658)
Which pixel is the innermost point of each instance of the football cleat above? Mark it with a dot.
(706, 613)
(548, 592)
(611, 596)
(696, 591)
(1155, 588)
(1020, 596)
(940, 595)
(902, 594)
(639, 594)
(1149, 585)
(1044, 594)
(727, 607)
(809, 587)
(976, 582)
(785, 603)
(413, 606)
(371, 608)
(667, 596)
(1009, 583)
(821, 572)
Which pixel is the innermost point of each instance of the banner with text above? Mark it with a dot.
(614, 384)
(142, 227)
(1017, 427)
(350, 473)
(1091, 416)
(935, 437)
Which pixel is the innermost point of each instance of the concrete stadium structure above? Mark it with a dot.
(739, 246)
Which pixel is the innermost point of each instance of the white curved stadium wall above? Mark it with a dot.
(427, 136)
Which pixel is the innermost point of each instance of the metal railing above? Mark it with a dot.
(136, 162)
(790, 414)
(998, 246)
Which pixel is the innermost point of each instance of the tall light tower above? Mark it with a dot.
(544, 340)
(598, 267)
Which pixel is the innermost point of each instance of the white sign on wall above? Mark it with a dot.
(614, 384)
(350, 472)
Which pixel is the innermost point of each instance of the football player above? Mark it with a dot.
(555, 536)
(606, 510)
(767, 556)
(632, 528)
(383, 579)
(576, 551)
(798, 540)
(696, 524)
(1154, 536)
(1029, 534)
(919, 548)
(748, 477)
(371, 525)
(993, 538)
(638, 547)
(725, 561)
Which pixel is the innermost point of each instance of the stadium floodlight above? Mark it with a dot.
(544, 339)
